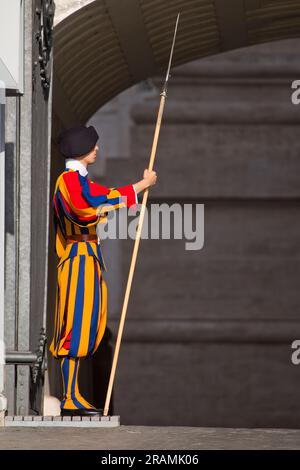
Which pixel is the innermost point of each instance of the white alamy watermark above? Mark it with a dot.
(161, 222)
(295, 99)
(295, 96)
(295, 357)
(2, 353)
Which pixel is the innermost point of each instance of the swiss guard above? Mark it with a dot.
(79, 205)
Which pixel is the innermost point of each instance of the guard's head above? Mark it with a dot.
(77, 141)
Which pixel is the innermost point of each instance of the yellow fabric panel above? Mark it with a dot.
(72, 293)
(60, 242)
(89, 281)
(102, 320)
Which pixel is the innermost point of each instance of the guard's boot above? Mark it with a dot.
(73, 403)
(81, 412)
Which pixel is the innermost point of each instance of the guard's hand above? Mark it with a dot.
(150, 177)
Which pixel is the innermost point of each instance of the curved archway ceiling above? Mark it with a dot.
(108, 45)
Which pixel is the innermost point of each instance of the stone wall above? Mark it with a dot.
(208, 335)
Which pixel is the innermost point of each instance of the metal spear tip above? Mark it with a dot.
(171, 53)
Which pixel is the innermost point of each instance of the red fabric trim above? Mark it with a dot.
(67, 342)
(97, 189)
(72, 182)
(128, 195)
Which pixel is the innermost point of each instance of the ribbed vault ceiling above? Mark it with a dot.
(109, 45)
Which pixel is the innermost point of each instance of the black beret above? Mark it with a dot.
(77, 141)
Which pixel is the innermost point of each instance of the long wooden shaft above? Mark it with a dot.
(134, 257)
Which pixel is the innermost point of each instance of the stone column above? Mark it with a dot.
(27, 175)
(3, 403)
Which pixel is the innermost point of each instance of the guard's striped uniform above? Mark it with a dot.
(72, 399)
(81, 295)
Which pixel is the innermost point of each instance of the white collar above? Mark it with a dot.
(76, 165)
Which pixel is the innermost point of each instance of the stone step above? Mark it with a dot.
(58, 421)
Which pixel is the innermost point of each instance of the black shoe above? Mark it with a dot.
(81, 412)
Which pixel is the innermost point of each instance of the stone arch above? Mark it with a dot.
(107, 45)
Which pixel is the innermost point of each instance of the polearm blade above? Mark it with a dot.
(163, 97)
(171, 55)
